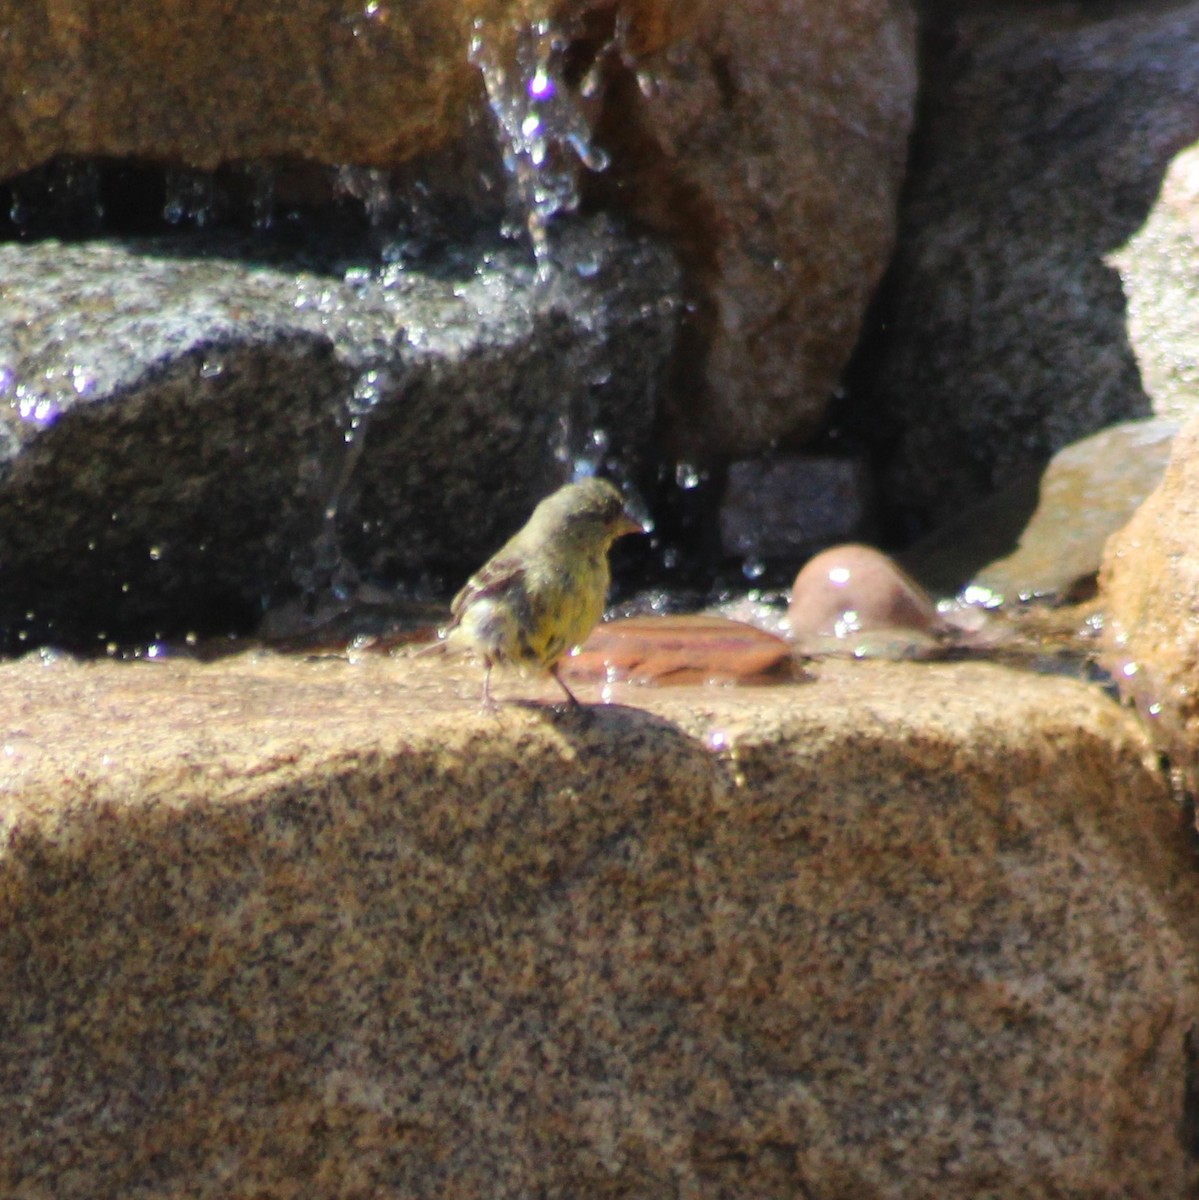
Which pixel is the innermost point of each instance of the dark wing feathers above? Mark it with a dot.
(498, 575)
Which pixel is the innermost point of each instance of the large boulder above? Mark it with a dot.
(311, 928)
(188, 435)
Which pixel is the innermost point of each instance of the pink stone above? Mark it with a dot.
(851, 588)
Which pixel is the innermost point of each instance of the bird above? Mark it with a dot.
(543, 591)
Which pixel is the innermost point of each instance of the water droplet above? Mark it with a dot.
(543, 131)
(847, 624)
(82, 380)
(155, 553)
(753, 568)
(983, 597)
(687, 476)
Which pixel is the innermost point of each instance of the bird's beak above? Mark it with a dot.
(625, 524)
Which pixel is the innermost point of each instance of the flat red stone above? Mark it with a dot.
(682, 650)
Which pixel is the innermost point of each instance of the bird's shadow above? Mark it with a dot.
(589, 719)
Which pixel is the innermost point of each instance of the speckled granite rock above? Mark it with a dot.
(1158, 267)
(275, 929)
(1044, 139)
(173, 418)
(1149, 585)
(209, 82)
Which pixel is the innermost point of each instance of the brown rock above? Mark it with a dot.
(281, 928)
(1043, 535)
(682, 650)
(768, 142)
(1150, 587)
(206, 82)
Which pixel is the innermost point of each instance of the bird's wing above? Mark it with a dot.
(501, 574)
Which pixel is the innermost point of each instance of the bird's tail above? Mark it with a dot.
(440, 646)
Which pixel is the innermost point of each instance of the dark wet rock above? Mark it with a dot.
(176, 420)
(1088, 491)
(767, 145)
(855, 600)
(1044, 141)
(685, 649)
(789, 506)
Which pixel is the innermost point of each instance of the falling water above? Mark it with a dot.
(543, 127)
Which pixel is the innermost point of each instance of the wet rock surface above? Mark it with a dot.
(855, 600)
(766, 145)
(274, 927)
(1045, 138)
(179, 422)
(1149, 586)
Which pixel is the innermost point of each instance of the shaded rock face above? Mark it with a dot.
(1043, 143)
(1150, 588)
(281, 928)
(187, 436)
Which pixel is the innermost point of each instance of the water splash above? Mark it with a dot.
(261, 177)
(545, 134)
(372, 188)
(64, 196)
(189, 197)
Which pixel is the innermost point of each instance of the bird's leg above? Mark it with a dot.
(488, 699)
(562, 684)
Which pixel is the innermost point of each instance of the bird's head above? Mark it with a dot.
(591, 511)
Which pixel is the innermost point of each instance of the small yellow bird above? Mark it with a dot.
(543, 592)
